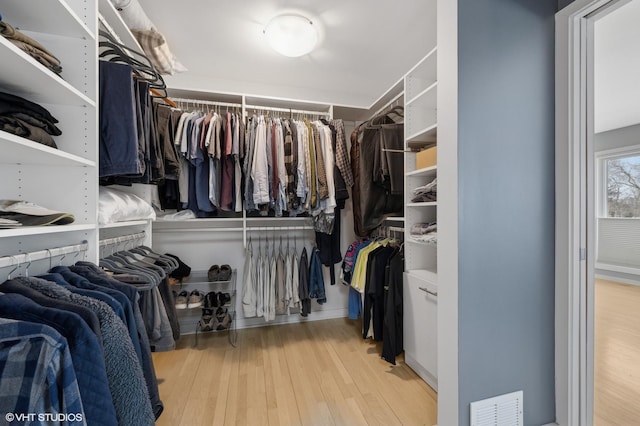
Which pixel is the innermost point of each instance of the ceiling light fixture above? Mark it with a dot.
(291, 35)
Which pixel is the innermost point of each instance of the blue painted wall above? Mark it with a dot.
(506, 210)
(564, 3)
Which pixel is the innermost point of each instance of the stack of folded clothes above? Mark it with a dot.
(425, 233)
(30, 47)
(426, 193)
(27, 119)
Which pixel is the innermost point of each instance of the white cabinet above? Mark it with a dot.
(421, 259)
(421, 325)
(66, 178)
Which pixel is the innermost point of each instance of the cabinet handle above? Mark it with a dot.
(426, 290)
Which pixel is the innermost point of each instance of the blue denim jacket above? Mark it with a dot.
(316, 279)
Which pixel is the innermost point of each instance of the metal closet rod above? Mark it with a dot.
(203, 102)
(395, 228)
(389, 105)
(122, 239)
(204, 229)
(279, 228)
(19, 259)
(289, 110)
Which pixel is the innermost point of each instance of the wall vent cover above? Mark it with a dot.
(503, 410)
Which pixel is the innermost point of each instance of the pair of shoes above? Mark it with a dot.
(223, 319)
(213, 299)
(206, 320)
(219, 273)
(209, 321)
(195, 299)
(186, 300)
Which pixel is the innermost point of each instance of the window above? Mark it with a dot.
(622, 185)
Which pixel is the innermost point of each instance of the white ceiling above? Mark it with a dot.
(617, 68)
(365, 47)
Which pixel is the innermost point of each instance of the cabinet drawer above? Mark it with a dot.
(421, 328)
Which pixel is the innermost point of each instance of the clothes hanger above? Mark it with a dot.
(131, 261)
(15, 268)
(119, 266)
(157, 94)
(139, 62)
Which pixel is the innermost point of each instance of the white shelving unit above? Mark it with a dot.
(421, 271)
(63, 179)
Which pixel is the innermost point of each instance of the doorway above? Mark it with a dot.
(616, 193)
(586, 352)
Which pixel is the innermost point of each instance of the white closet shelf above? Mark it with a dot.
(40, 230)
(430, 172)
(278, 219)
(18, 150)
(204, 225)
(124, 224)
(112, 16)
(424, 275)
(427, 99)
(426, 136)
(427, 204)
(21, 14)
(36, 83)
(420, 243)
(422, 75)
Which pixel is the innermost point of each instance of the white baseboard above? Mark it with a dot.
(293, 318)
(429, 378)
(618, 268)
(603, 275)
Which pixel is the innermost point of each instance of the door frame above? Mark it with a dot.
(575, 210)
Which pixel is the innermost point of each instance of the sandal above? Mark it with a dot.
(214, 273)
(225, 273)
(207, 320)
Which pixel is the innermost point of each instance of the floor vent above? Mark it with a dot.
(503, 410)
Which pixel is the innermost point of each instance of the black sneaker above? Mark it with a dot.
(223, 298)
(211, 300)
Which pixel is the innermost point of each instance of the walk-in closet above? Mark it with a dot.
(228, 213)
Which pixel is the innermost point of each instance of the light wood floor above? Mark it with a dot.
(313, 373)
(617, 354)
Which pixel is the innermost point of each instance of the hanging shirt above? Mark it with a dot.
(303, 284)
(237, 176)
(260, 284)
(323, 190)
(260, 167)
(313, 182)
(280, 292)
(303, 166)
(281, 199)
(248, 286)
(271, 290)
(342, 156)
(329, 203)
(288, 281)
(248, 164)
(295, 282)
